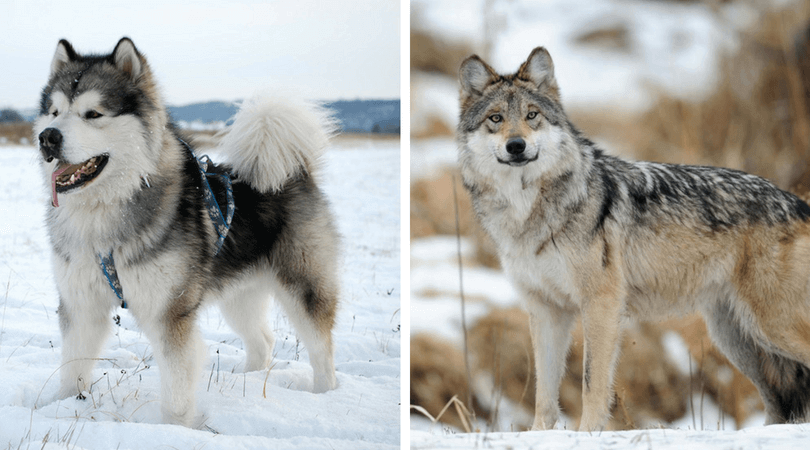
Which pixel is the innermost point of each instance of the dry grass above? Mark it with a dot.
(431, 53)
(757, 118)
(438, 376)
(14, 133)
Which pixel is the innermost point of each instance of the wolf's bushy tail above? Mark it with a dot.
(274, 137)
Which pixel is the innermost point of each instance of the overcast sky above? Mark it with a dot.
(213, 50)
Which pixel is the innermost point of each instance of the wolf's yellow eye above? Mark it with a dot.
(495, 118)
(531, 115)
(92, 114)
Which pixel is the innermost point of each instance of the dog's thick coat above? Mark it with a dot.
(127, 186)
(582, 232)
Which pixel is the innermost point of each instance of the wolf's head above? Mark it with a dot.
(98, 122)
(512, 120)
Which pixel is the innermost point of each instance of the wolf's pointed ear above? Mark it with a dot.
(538, 69)
(475, 75)
(64, 54)
(127, 58)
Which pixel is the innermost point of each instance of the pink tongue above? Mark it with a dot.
(54, 175)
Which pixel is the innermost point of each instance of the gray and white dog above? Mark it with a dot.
(129, 221)
(580, 232)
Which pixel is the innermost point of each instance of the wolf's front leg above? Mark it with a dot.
(550, 328)
(602, 333)
(85, 327)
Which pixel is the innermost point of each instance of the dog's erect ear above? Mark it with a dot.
(475, 75)
(64, 54)
(539, 68)
(127, 58)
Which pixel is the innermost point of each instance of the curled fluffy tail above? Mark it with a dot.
(274, 137)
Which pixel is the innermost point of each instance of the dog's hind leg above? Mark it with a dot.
(783, 384)
(85, 327)
(246, 313)
(310, 303)
(550, 327)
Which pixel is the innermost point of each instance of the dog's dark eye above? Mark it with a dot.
(55, 113)
(495, 118)
(92, 114)
(531, 115)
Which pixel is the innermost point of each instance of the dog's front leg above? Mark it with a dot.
(601, 328)
(550, 328)
(85, 326)
(178, 347)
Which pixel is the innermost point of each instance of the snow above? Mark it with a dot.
(268, 409)
(771, 437)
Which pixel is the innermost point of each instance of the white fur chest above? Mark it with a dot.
(518, 239)
(547, 272)
(81, 279)
(506, 211)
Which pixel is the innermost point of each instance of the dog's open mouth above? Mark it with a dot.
(70, 176)
(67, 177)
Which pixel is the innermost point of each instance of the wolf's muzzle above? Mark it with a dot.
(515, 146)
(50, 144)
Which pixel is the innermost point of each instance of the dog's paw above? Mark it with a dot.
(66, 392)
(324, 383)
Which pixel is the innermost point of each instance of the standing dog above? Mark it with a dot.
(130, 223)
(582, 232)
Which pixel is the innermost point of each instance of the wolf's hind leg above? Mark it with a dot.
(84, 328)
(783, 384)
(246, 313)
(550, 327)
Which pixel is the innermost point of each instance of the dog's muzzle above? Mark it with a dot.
(50, 144)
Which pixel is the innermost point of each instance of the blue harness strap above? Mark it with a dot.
(108, 269)
(222, 222)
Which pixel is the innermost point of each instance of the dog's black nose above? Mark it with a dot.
(50, 144)
(515, 146)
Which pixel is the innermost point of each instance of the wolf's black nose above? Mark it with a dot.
(515, 146)
(50, 144)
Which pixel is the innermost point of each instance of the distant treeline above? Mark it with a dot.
(355, 116)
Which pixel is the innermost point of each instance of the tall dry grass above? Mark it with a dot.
(756, 120)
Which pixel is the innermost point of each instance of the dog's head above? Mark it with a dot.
(515, 120)
(94, 117)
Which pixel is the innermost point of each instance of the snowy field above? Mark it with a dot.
(269, 409)
(772, 437)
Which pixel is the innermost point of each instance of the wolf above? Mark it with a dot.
(131, 222)
(580, 232)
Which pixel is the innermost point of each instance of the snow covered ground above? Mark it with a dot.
(772, 437)
(256, 410)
